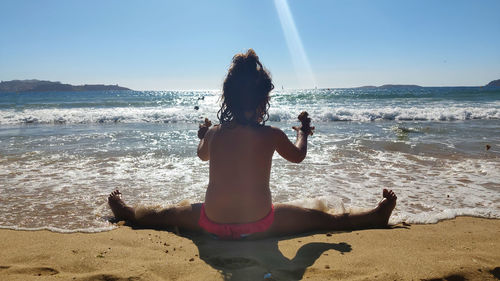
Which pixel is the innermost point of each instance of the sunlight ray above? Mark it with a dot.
(300, 61)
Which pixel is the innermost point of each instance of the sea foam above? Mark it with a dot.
(439, 150)
(280, 114)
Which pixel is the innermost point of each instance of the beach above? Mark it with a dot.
(106, 98)
(463, 248)
(62, 153)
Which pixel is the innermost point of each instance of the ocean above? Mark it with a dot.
(62, 153)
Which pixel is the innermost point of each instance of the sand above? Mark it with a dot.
(460, 249)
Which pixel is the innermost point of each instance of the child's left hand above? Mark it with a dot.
(204, 128)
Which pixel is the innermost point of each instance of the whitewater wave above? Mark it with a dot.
(281, 114)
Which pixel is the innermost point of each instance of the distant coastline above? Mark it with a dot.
(34, 85)
(390, 86)
(494, 83)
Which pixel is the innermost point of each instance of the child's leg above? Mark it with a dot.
(290, 220)
(185, 217)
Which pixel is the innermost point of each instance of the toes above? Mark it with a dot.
(114, 195)
(389, 194)
(392, 195)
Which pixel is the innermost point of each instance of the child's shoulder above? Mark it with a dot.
(213, 129)
(267, 128)
(274, 131)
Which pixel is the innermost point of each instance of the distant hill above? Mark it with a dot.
(16, 86)
(390, 86)
(494, 83)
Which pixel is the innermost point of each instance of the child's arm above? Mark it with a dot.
(205, 134)
(294, 152)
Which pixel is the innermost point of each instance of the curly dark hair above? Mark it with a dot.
(245, 93)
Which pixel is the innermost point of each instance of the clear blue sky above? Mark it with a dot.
(162, 45)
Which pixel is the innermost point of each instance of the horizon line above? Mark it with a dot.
(276, 88)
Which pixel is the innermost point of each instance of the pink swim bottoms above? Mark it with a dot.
(235, 230)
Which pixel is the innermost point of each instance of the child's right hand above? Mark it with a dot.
(204, 128)
(305, 126)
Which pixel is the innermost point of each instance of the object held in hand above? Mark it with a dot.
(207, 123)
(306, 123)
(204, 128)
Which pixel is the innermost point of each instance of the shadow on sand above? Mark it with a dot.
(260, 259)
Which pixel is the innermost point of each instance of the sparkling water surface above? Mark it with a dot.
(62, 153)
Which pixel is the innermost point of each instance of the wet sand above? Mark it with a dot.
(460, 249)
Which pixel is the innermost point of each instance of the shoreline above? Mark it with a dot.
(463, 248)
(119, 224)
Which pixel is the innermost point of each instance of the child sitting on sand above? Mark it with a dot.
(238, 199)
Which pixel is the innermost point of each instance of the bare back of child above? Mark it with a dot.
(240, 165)
(238, 200)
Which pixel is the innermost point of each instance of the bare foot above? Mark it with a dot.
(119, 208)
(385, 207)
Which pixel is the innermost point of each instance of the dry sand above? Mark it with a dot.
(461, 249)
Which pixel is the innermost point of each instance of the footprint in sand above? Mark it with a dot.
(109, 277)
(36, 271)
